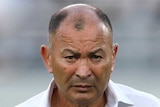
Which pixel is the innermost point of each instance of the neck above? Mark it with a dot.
(58, 100)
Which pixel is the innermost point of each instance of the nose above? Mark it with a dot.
(83, 70)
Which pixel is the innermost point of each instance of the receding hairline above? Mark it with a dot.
(80, 15)
(70, 9)
(60, 16)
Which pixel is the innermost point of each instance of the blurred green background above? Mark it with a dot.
(24, 27)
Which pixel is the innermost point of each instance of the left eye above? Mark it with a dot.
(96, 57)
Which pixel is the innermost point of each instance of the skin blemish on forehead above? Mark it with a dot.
(77, 19)
(79, 24)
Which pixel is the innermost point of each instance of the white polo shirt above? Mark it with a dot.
(118, 96)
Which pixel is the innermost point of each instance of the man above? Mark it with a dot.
(81, 56)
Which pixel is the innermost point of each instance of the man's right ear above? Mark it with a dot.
(45, 53)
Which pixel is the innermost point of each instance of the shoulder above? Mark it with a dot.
(32, 102)
(139, 97)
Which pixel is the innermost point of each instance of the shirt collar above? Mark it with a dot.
(46, 99)
(114, 95)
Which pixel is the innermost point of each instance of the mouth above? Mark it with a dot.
(82, 87)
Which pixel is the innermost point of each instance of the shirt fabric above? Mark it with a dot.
(118, 96)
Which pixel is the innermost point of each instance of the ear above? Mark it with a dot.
(114, 54)
(46, 56)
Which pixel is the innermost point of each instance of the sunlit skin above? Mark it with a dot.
(81, 62)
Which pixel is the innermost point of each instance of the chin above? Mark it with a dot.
(83, 99)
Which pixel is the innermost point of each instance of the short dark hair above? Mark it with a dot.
(104, 18)
(59, 16)
(55, 21)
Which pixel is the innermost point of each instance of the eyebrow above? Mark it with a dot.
(97, 50)
(75, 52)
(71, 51)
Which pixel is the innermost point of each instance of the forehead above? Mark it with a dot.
(89, 37)
(86, 22)
(86, 31)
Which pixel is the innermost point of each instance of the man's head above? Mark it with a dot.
(78, 20)
(81, 55)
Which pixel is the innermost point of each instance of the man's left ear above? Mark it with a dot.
(115, 49)
(114, 54)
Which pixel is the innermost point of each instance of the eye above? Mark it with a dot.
(96, 58)
(71, 58)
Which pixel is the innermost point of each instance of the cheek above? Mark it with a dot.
(62, 72)
(102, 75)
(102, 71)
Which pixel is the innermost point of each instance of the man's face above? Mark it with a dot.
(82, 61)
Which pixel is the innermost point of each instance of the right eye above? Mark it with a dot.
(70, 58)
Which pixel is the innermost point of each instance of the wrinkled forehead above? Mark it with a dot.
(84, 33)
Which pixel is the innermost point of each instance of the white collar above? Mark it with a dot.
(46, 100)
(116, 96)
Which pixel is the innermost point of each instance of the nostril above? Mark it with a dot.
(83, 73)
(83, 76)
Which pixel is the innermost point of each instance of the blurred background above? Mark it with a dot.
(24, 27)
